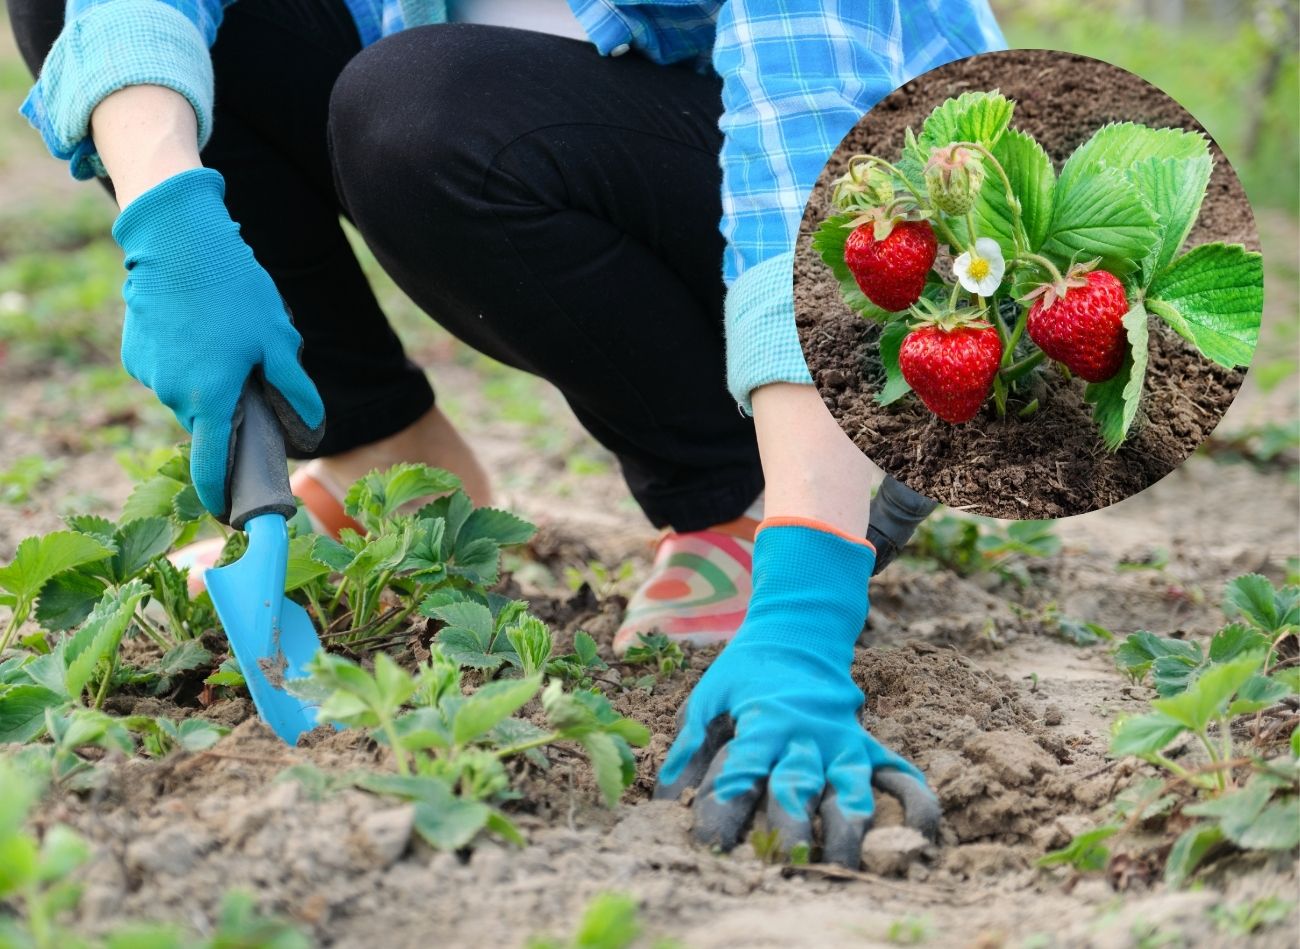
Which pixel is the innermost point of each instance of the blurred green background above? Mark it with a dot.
(1231, 63)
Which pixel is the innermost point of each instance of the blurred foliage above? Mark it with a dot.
(1231, 63)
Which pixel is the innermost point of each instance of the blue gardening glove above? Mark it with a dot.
(201, 316)
(778, 711)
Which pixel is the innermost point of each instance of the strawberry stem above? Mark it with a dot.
(1004, 337)
(1018, 369)
(1045, 264)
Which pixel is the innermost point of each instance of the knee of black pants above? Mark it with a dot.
(406, 135)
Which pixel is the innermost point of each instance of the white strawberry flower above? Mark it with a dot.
(980, 269)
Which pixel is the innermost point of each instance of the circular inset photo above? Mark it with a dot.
(1028, 284)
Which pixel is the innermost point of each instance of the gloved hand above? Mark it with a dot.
(896, 511)
(201, 316)
(778, 710)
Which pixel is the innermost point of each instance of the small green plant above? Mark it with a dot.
(580, 667)
(1067, 266)
(25, 475)
(448, 748)
(610, 921)
(971, 545)
(1245, 919)
(603, 581)
(909, 930)
(767, 848)
(659, 651)
(1243, 794)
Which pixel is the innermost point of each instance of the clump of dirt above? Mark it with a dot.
(1052, 464)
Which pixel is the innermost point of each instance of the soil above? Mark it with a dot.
(1052, 464)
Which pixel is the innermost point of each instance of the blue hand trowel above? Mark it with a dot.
(272, 637)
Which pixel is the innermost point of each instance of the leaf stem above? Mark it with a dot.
(526, 745)
(1042, 262)
(148, 629)
(104, 683)
(394, 742)
(1018, 369)
(1018, 235)
(14, 622)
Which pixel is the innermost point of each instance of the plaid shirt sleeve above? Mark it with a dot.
(797, 75)
(107, 45)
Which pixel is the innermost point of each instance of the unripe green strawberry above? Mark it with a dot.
(953, 178)
(891, 271)
(1081, 323)
(865, 185)
(951, 365)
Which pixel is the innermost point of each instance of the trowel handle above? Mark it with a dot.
(259, 483)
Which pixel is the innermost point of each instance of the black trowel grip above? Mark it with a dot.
(259, 482)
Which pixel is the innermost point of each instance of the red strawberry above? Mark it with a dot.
(891, 271)
(1080, 322)
(951, 367)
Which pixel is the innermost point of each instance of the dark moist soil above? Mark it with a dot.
(1052, 464)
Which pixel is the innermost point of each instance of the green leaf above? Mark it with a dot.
(22, 712)
(971, 117)
(450, 825)
(227, 674)
(138, 543)
(452, 509)
(381, 493)
(1207, 697)
(40, 558)
(1189, 850)
(828, 241)
(1289, 677)
(1255, 598)
(1115, 402)
(303, 566)
(584, 647)
(891, 341)
(491, 704)
(607, 763)
(1295, 742)
(501, 527)
(1258, 693)
(1033, 182)
(474, 618)
(1120, 145)
(99, 637)
(1175, 188)
(421, 729)
(186, 506)
(1101, 215)
(609, 922)
(1277, 827)
(424, 557)
(1213, 296)
(100, 528)
(183, 657)
(1235, 640)
(152, 497)
(1235, 811)
(62, 851)
(503, 827)
(532, 641)
(330, 553)
(479, 560)
(1085, 853)
(67, 599)
(199, 734)
(1143, 735)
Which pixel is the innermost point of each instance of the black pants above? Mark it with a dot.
(554, 209)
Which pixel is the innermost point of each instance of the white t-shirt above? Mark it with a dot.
(540, 16)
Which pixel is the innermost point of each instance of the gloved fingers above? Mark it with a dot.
(848, 806)
(693, 750)
(842, 831)
(732, 786)
(293, 396)
(921, 809)
(211, 459)
(793, 790)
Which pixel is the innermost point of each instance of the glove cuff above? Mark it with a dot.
(810, 588)
(174, 233)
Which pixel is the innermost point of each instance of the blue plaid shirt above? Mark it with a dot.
(797, 75)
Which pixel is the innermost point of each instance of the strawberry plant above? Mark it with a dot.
(1227, 773)
(1067, 265)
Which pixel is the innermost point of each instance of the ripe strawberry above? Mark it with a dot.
(1079, 322)
(951, 366)
(891, 271)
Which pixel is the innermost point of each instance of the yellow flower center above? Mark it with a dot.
(979, 268)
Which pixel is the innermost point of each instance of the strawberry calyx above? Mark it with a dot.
(1059, 285)
(926, 312)
(884, 219)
